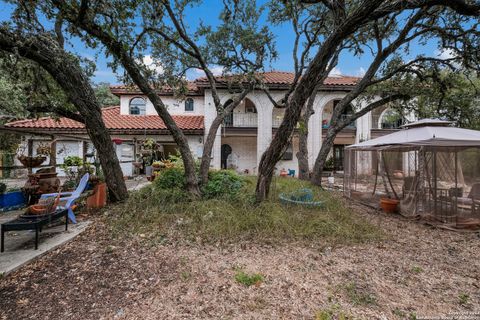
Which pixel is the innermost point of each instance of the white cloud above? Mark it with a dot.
(216, 70)
(336, 72)
(445, 53)
(152, 65)
(360, 72)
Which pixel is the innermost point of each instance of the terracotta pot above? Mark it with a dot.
(389, 205)
(99, 197)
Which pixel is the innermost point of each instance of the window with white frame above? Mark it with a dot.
(189, 104)
(137, 106)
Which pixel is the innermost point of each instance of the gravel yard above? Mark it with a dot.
(416, 271)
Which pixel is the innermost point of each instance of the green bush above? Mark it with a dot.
(171, 178)
(223, 183)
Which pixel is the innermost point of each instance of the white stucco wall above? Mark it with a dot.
(245, 149)
(175, 106)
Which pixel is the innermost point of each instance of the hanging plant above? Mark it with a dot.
(149, 144)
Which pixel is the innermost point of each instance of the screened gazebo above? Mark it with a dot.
(431, 168)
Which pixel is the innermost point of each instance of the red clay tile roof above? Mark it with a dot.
(132, 89)
(286, 78)
(272, 78)
(114, 121)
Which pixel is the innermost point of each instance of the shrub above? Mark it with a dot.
(171, 178)
(223, 183)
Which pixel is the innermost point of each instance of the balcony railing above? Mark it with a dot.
(326, 123)
(241, 120)
(247, 120)
(387, 124)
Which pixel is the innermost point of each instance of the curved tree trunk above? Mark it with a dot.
(313, 76)
(207, 149)
(302, 154)
(212, 132)
(327, 145)
(66, 71)
(118, 49)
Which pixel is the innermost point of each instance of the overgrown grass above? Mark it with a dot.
(155, 213)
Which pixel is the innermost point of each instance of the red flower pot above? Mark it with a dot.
(389, 205)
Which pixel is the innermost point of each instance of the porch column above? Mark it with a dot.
(264, 124)
(314, 139)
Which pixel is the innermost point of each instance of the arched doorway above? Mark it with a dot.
(226, 150)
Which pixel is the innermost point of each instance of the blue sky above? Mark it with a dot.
(208, 12)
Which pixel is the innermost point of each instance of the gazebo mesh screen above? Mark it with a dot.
(437, 184)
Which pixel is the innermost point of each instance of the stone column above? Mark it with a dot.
(314, 139)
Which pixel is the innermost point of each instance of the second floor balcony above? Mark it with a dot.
(247, 120)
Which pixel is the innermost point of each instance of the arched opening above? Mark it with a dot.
(328, 112)
(244, 114)
(249, 106)
(137, 106)
(390, 119)
(226, 150)
(277, 116)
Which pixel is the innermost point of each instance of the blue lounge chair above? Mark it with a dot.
(69, 198)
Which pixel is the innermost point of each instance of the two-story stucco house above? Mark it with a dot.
(241, 140)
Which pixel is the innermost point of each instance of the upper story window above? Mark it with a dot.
(138, 106)
(189, 104)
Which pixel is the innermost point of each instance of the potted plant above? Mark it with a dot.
(158, 165)
(99, 197)
(389, 205)
(149, 144)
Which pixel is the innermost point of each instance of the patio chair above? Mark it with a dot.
(69, 198)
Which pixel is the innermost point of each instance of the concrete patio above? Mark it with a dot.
(19, 245)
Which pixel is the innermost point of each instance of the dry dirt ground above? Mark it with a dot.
(417, 271)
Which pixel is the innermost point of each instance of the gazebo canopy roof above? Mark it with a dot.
(426, 132)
